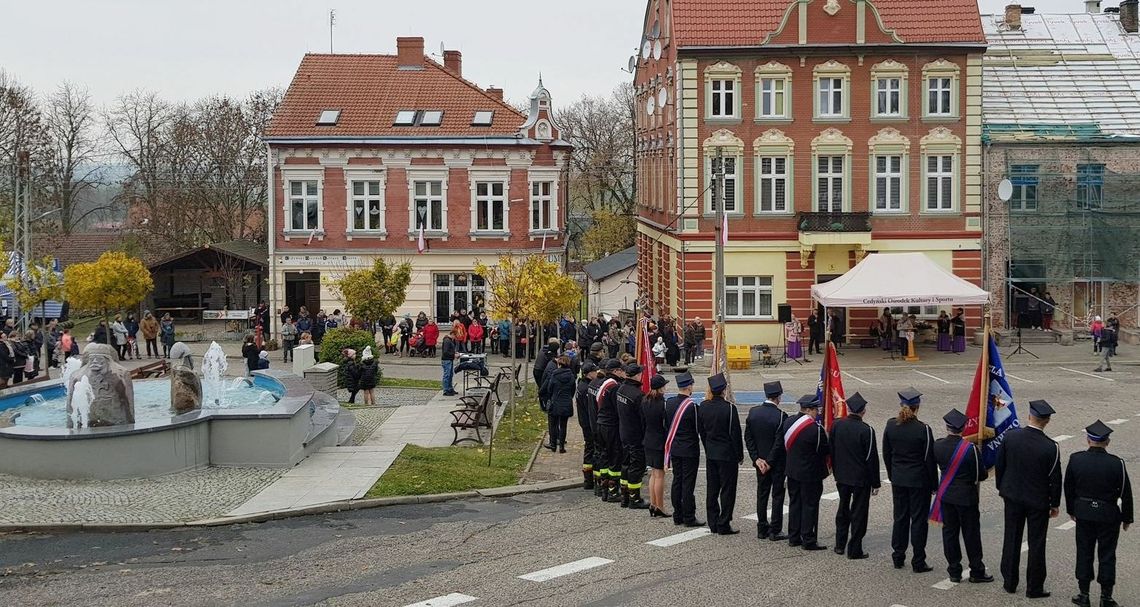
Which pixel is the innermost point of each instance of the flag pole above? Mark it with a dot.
(984, 377)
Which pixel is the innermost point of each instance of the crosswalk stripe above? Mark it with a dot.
(834, 495)
(754, 517)
(945, 584)
(1066, 525)
(1088, 374)
(1062, 437)
(447, 600)
(930, 376)
(558, 571)
(680, 538)
(1117, 422)
(1025, 546)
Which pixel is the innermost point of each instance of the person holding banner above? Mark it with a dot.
(719, 427)
(956, 502)
(908, 453)
(855, 462)
(653, 413)
(683, 451)
(631, 430)
(801, 451)
(761, 431)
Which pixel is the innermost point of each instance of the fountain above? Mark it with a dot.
(80, 396)
(113, 395)
(214, 367)
(185, 387)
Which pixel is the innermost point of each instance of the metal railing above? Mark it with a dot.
(833, 222)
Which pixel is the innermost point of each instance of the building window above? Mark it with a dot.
(541, 206)
(773, 98)
(455, 292)
(773, 185)
(304, 205)
(729, 191)
(489, 206)
(367, 206)
(748, 297)
(939, 183)
(1024, 179)
(831, 97)
(829, 184)
(940, 80)
(428, 203)
(888, 97)
(938, 94)
(1090, 185)
(888, 183)
(723, 99)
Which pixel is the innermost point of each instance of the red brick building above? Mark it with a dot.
(366, 149)
(845, 127)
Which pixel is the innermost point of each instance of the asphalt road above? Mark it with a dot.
(405, 555)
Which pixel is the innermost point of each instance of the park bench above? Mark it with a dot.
(151, 370)
(472, 414)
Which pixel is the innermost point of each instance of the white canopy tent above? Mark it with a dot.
(898, 279)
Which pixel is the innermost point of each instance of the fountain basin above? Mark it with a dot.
(277, 435)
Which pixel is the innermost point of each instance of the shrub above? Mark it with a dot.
(340, 338)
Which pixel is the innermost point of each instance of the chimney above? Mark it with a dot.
(1013, 16)
(495, 92)
(410, 52)
(453, 60)
(1128, 16)
(1092, 6)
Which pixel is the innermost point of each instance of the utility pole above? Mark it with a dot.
(22, 224)
(718, 205)
(332, 20)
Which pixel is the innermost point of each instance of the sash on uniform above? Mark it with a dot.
(603, 389)
(674, 425)
(948, 477)
(797, 428)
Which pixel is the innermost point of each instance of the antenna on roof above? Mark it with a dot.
(442, 50)
(332, 20)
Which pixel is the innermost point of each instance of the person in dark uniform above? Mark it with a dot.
(761, 430)
(1029, 480)
(908, 453)
(801, 450)
(586, 413)
(719, 426)
(631, 428)
(957, 503)
(608, 431)
(683, 451)
(1095, 481)
(596, 455)
(653, 414)
(855, 463)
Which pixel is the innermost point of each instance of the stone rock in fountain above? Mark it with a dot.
(113, 401)
(185, 385)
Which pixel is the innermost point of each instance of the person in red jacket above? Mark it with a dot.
(431, 336)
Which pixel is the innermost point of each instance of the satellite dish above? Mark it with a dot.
(662, 98)
(649, 106)
(655, 31)
(632, 63)
(657, 49)
(1005, 190)
(646, 48)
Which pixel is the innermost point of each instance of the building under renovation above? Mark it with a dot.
(1061, 122)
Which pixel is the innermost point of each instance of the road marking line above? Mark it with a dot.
(1025, 546)
(830, 496)
(1117, 422)
(680, 538)
(1089, 374)
(886, 481)
(945, 584)
(1066, 526)
(930, 376)
(1062, 437)
(865, 382)
(754, 517)
(1028, 381)
(447, 600)
(565, 569)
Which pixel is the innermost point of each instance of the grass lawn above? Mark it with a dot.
(396, 382)
(85, 326)
(420, 471)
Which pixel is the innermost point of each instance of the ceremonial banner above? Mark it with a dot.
(720, 360)
(988, 420)
(645, 356)
(829, 391)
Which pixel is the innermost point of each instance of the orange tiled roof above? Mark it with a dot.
(369, 90)
(747, 22)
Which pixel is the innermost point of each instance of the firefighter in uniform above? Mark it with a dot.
(962, 474)
(761, 429)
(586, 413)
(1098, 496)
(855, 463)
(908, 453)
(632, 433)
(801, 450)
(718, 424)
(597, 460)
(683, 451)
(1028, 474)
(608, 431)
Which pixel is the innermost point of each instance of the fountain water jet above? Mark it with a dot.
(214, 367)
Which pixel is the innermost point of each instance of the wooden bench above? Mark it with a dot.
(151, 370)
(472, 415)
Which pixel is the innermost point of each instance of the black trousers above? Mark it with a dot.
(803, 511)
(851, 518)
(633, 465)
(587, 438)
(769, 485)
(964, 521)
(682, 494)
(911, 507)
(556, 427)
(720, 499)
(813, 343)
(1018, 517)
(1098, 538)
(610, 450)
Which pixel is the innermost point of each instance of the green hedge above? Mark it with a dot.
(340, 338)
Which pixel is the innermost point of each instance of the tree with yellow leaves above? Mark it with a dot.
(113, 282)
(609, 233)
(41, 285)
(370, 294)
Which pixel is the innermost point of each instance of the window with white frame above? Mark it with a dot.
(748, 297)
(829, 184)
(304, 205)
(773, 98)
(940, 80)
(938, 96)
(888, 183)
(773, 184)
(367, 206)
(1024, 178)
(722, 91)
(490, 206)
(729, 180)
(888, 97)
(427, 206)
(830, 97)
(541, 205)
(939, 183)
(723, 99)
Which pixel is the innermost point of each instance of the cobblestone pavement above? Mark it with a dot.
(367, 420)
(392, 397)
(184, 496)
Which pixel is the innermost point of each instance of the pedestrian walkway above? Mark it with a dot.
(423, 425)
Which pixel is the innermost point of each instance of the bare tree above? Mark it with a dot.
(21, 130)
(74, 170)
(602, 166)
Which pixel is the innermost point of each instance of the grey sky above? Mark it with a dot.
(186, 50)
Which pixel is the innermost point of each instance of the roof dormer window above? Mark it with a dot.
(483, 118)
(328, 118)
(405, 118)
(431, 117)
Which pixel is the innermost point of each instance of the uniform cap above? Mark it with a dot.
(632, 369)
(808, 400)
(596, 346)
(1040, 408)
(718, 383)
(589, 367)
(658, 382)
(955, 420)
(856, 403)
(685, 380)
(773, 388)
(1098, 432)
(612, 364)
(910, 397)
